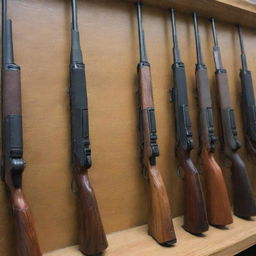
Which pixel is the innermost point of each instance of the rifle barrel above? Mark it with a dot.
(143, 53)
(243, 56)
(198, 43)
(7, 44)
(74, 15)
(176, 54)
(215, 38)
(76, 52)
(216, 49)
(4, 17)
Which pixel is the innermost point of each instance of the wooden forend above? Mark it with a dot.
(218, 242)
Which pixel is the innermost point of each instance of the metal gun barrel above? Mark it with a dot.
(176, 54)
(243, 56)
(198, 43)
(76, 52)
(215, 38)
(4, 18)
(241, 39)
(74, 15)
(216, 49)
(143, 54)
(7, 44)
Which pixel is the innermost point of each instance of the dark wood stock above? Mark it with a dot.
(26, 239)
(217, 200)
(244, 202)
(195, 217)
(223, 90)
(92, 236)
(160, 221)
(160, 218)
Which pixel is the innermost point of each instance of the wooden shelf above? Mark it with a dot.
(218, 242)
(230, 11)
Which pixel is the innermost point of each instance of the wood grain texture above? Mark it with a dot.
(92, 238)
(217, 199)
(41, 31)
(26, 239)
(229, 11)
(195, 216)
(244, 201)
(146, 93)
(160, 224)
(160, 218)
(241, 235)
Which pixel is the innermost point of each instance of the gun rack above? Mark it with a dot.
(108, 30)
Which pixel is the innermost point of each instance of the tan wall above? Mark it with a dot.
(41, 31)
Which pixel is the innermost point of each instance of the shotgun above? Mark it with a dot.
(217, 200)
(12, 144)
(195, 217)
(160, 220)
(248, 101)
(92, 238)
(244, 202)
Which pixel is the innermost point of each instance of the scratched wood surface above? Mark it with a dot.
(41, 31)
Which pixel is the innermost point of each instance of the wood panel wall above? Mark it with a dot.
(41, 31)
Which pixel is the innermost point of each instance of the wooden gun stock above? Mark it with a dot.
(244, 202)
(91, 232)
(217, 200)
(27, 244)
(160, 220)
(195, 217)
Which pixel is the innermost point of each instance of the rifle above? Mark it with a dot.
(12, 145)
(248, 101)
(92, 237)
(160, 221)
(195, 217)
(216, 192)
(244, 202)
